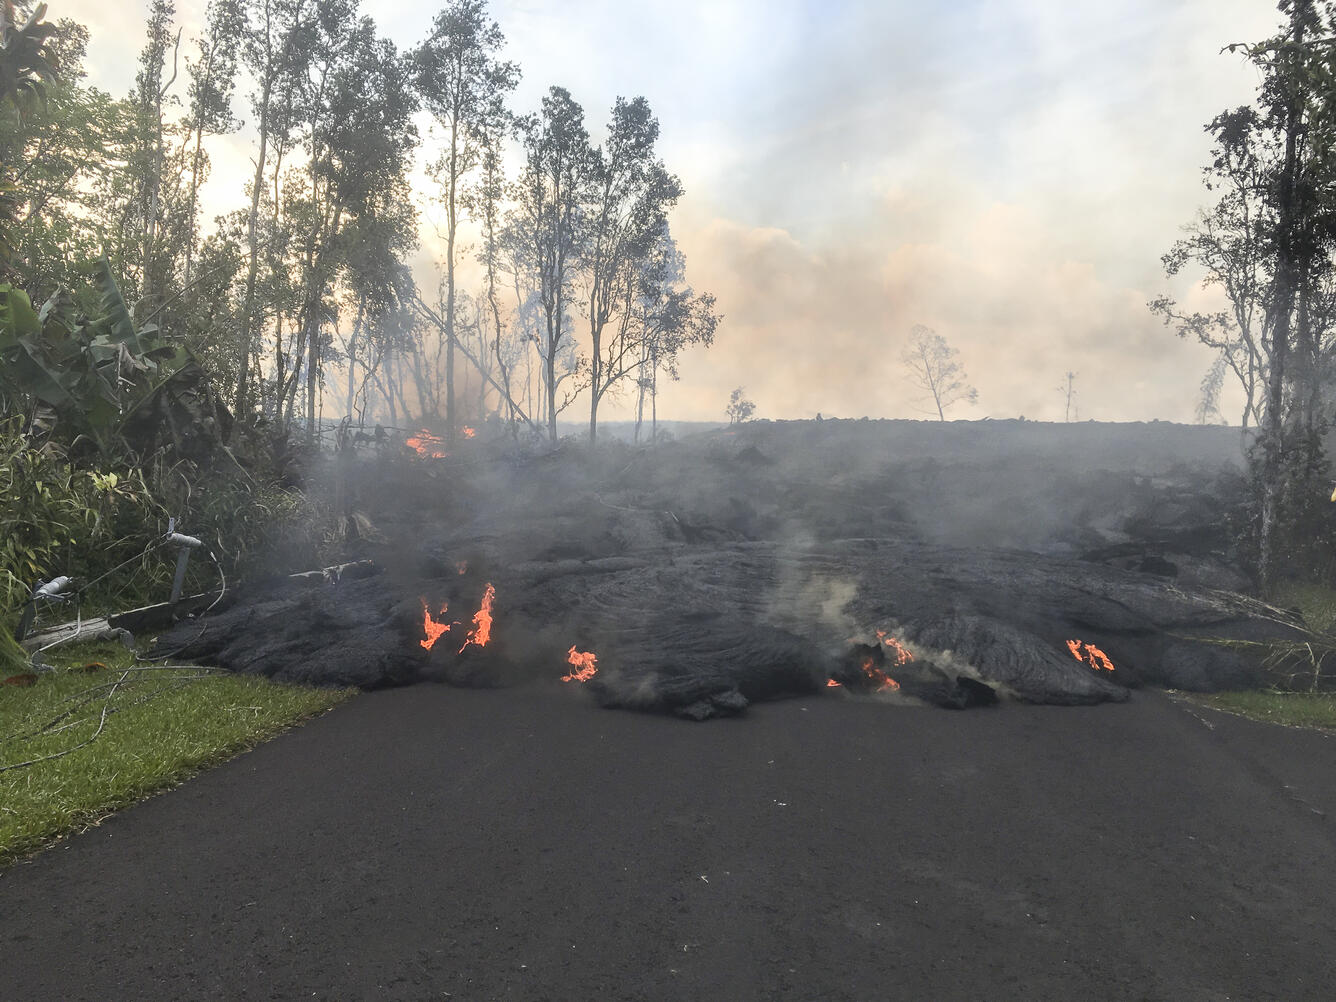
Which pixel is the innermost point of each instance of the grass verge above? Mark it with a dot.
(110, 735)
(1293, 709)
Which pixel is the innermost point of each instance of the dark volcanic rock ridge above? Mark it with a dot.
(749, 564)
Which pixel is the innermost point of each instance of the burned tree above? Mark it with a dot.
(934, 367)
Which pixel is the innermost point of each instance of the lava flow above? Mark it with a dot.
(482, 621)
(433, 628)
(1090, 654)
(584, 665)
(879, 679)
(898, 650)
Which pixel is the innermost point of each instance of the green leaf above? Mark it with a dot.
(119, 326)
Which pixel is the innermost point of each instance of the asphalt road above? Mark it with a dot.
(430, 843)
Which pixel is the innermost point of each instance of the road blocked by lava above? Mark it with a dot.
(651, 593)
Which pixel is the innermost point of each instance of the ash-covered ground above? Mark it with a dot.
(955, 563)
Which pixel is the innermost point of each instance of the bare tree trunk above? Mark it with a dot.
(252, 242)
(352, 351)
(1281, 308)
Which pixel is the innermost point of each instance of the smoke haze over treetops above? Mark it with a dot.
(1005, 173)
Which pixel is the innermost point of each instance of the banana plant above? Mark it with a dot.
(25, 67)
(85, 376)
(24, 62)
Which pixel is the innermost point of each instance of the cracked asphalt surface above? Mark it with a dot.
(428, 842)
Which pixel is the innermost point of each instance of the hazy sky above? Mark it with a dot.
(1007, 173)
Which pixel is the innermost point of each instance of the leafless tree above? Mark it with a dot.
(935, 368)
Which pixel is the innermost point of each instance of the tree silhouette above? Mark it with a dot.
(934, 367)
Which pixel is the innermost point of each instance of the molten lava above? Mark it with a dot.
(584, 665)
(433, 628)
(898, 650)
(426, 445)
(879, 679)
(1090, 654)
(482, 621)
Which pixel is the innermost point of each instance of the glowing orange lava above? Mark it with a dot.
(427, 445)
(1090, 654)
(898, 650)
(882, 681)
(482, 621)
(433, 628)
(584, 665)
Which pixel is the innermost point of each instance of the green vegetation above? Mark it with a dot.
(1316, 602)
(1268, 244)
(1293, 709)
(114, 734)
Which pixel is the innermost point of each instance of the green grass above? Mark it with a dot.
(1316, 602)
(160, 726)
(1294, 709)
(1292, 666)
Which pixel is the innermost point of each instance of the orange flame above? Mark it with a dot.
(469, 432)
(482, 621)
(899, 651)
(427, 445)
(832, 684)
(585, 665)
(433, 628)
(879, 678)
(1090, 654)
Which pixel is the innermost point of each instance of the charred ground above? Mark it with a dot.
(951, 563)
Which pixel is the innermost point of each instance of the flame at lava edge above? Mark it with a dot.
(482, 621)
(1090, 654)
(433, 628)
(585, 665)
(876, 676)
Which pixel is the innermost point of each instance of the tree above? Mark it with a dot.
(1208, 396)
(275, 51)
(484, 200)
(739, 408)
(669, 318)
(935, 368)
(55, 159)
(212, 80)
(547, 216)
(148, 173)
(463, 84)
(25, 70)
(1068, 390)
(361, 137)
(1228, 242)
(1268, 242)
(630, 193)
